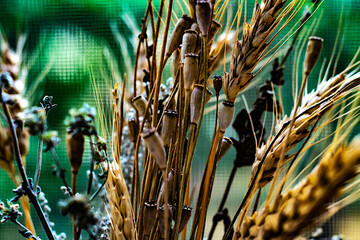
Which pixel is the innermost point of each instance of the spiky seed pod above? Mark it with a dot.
(203, 16)
(178, 32)
(162, 217)
(217, 82)
(313, 51)
(214, 28)
(299, 208)
(139, 103)
(168, 126)
(189, 42)
(133, 129)
(224, 148)
(155, 146)
(150, 209)
(185, 217)
(75, 150)
(196, 100)
(190, 70)
(226, 115)
(248, 51)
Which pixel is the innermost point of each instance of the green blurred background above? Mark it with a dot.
(73, 43)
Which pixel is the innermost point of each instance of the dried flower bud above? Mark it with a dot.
(75, 150)
(226, 115)
(139, 103)
(51, 140)
(224, 148)
(190, 70)
(149, 216)
(185, 217)
(196, 100)
(217, 82)
(34, 119)
(6, 80)
(312, 53)
(214, 28)
(162, 218)
(133, 129)
(203, 16)
(189, 42)
(155, 146)
(168, 126)
(178, 32)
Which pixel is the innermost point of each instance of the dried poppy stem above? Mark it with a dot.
(29, 192)
(161, 67)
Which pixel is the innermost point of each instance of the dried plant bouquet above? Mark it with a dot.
(139, 178)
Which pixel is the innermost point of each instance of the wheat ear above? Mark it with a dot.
(314, 106)
(248, 51)
(301, 206)
(121, 216)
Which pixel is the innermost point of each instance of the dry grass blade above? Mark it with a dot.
(301, 206)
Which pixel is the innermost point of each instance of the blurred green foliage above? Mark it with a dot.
(71, 44)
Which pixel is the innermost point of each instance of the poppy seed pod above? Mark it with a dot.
(189, 42)
(133, 129)
(139, 103)
(196, 100)
(75, 150)
(155, 146)
(150, 209)
(177, 34)
(185, 217)
(203, 16)
(190, 70)
(224, 148)
(214, 28)
(226, 115)
(313, 51)
(168, 126)
(217, 82)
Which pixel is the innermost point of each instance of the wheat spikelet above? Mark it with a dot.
(314, 105)
(298, 208)
(121, 216)
(248, 51)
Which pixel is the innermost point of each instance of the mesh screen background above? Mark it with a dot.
(72, 44)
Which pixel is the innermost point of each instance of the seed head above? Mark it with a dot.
(203, 16)
(312, 53)
(156, 147)
(196, 100)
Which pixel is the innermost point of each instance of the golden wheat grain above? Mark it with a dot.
(298, 208)
(314, 106)
(247, 52)
(121, 216)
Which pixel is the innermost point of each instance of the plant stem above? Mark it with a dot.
(223, 200)
(61, 170)
(29, 192)
(93, 149)
(38, 163)
(23, 227)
